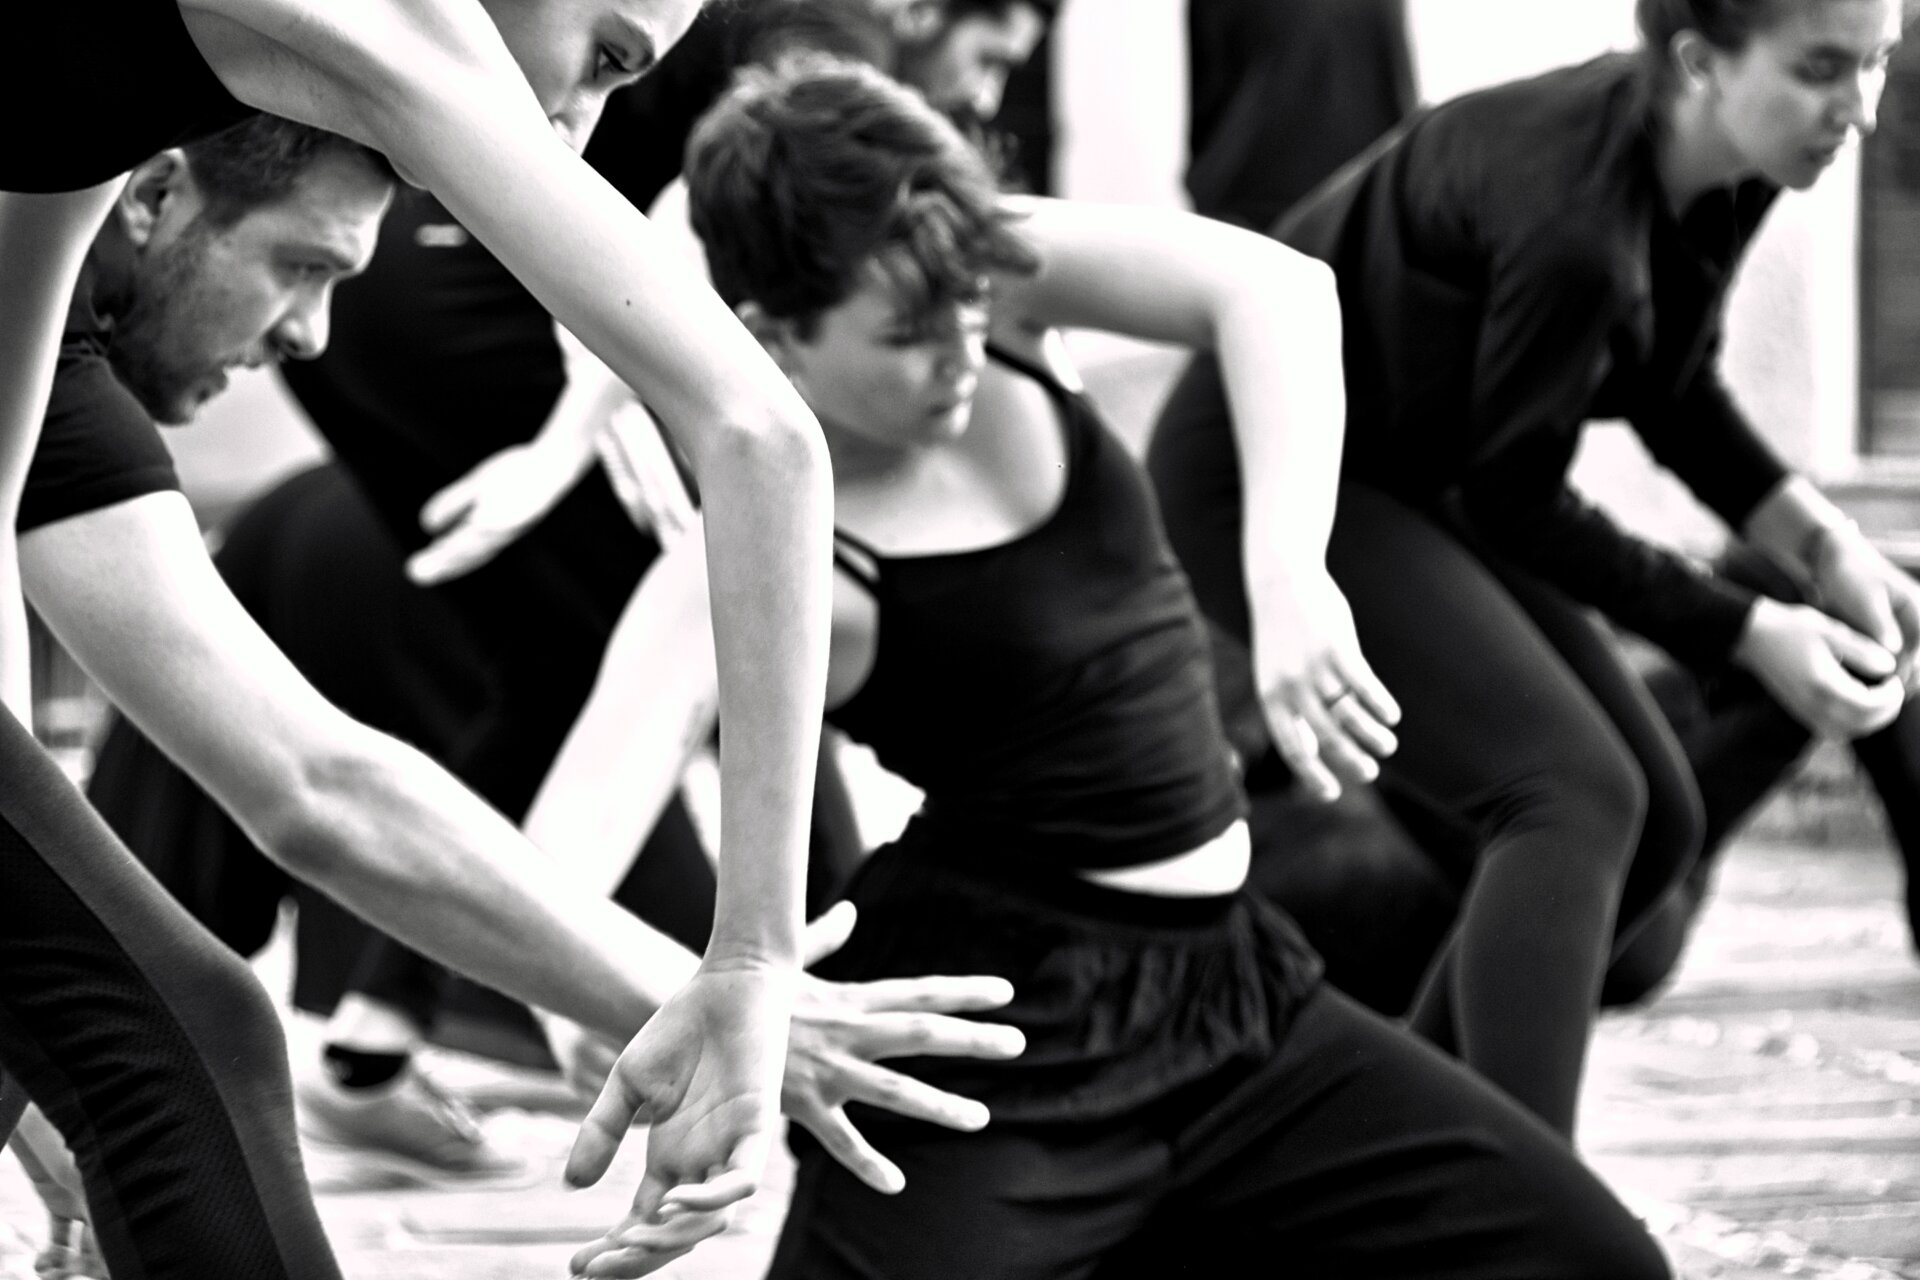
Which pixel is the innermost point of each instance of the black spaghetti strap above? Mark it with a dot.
(858, 559)
(1039, 373)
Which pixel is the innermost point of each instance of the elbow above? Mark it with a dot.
(1312, 287)
(1287, 293)
(780, 449)
(302, 826)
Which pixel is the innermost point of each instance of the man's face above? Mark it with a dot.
(203, 299)
(962, 69)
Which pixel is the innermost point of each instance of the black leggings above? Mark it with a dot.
(150, 1047)
(1742, 744)
(1521, 722)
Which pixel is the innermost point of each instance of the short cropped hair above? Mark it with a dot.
(259, 161)
(961, 9)
(809, 174)
(774, 29)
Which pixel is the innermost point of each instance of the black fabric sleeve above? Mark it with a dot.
(1521, 505)
(97, 447)
(1703, 438)
(1551, 305)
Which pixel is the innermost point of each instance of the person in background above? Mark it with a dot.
(221, 254)
(440, 360)
(467, 107)
(1487, 320)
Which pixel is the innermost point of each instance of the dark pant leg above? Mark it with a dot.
(1892, 761)
(1499, 732)
(1674, 826)
(1362, 1152)
(1007, 1203)
(150, 1047)
(1739, 747)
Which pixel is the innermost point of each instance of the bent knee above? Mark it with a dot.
(1592, 794)
(226, 1013)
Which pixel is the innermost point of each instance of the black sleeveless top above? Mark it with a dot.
(90, 88)
(1052, 695)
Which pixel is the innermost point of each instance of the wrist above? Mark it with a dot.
(745, 958)
(1823, 541)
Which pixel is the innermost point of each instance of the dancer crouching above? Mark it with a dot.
(1011, 634)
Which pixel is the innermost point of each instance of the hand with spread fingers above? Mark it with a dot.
(840, 1034)
(1331, 717)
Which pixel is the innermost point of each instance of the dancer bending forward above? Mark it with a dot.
(1011, 634)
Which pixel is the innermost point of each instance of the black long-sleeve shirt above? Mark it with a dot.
(1508, 270)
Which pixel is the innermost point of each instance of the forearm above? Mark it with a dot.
(651, 707)
(394, 838)
(1580, 549)
(1280, 360)
(769, 583)
(129, 590)
(757, 458)
(1791, 524)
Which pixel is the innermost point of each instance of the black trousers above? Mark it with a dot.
(1742, 744)
(1191, 1102)
(150, 1047)
(1523, 725)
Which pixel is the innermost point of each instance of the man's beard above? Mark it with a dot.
(151, 348)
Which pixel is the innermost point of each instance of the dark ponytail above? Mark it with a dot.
(1724, 24)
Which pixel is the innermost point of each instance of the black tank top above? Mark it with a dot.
(1052, 695)
(90, 88)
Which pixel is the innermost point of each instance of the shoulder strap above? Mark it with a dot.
(858, 560)
(1026, 367)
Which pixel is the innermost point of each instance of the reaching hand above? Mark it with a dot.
(1330, 716)
(840, 1032)
(704, 1073)
(1830, 677)
(1861, 587)
(487, 509)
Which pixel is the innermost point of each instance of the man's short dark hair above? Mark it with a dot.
(957, 10)
(259, 161)
(852, 29)
(808, 174)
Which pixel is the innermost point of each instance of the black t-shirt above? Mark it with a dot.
(88, 90)
(98, 446)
